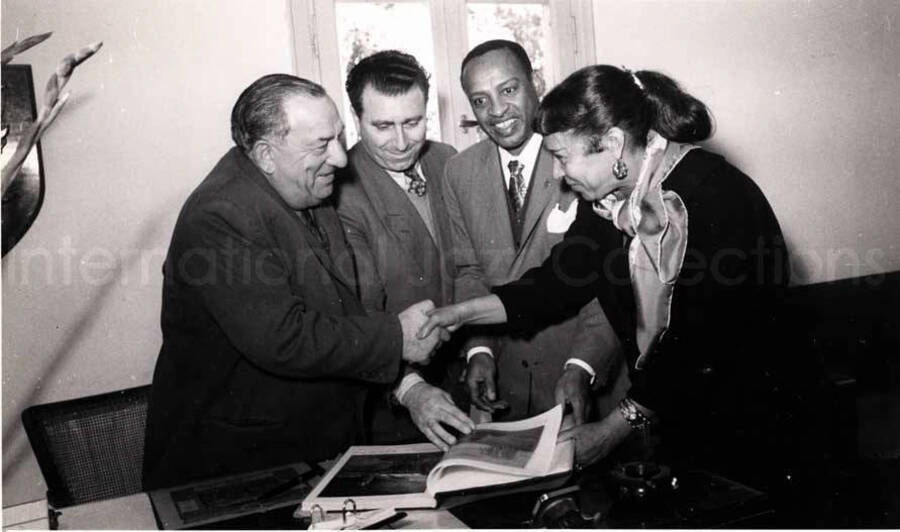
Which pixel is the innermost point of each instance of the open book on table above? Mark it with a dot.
(413, 476)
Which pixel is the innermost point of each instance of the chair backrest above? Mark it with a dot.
(90, 448)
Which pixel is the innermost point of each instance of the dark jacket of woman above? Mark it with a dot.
(716, 369)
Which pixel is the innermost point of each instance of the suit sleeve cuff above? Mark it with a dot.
(583, 365)
(409, 380)
(480, 349)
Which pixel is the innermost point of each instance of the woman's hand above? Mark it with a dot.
(449, 318)
(594, 441)
(481, 310)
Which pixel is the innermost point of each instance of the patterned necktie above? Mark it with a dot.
(416, 183)
(516, 188)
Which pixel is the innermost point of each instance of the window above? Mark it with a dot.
(367, 27)
(331, 34)
(526, 23)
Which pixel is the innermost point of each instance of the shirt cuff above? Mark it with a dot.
(480, 349)
(408, 381)
(583, 365)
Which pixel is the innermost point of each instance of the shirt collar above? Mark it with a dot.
(401, 179)
(528, 156)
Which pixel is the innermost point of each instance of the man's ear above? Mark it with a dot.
(614, 141)
(356, 121)
(262, 154)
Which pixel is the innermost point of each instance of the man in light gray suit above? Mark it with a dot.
(507, 211)
(391, 203)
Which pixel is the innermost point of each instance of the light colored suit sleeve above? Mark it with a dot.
(470, 281)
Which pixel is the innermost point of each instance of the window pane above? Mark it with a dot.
(367, 27)
(527, 23)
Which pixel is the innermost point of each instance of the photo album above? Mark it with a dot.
(501, 454)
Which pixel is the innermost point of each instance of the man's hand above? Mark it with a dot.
(418, 350)
(430, 406)
(448, 318)
(574, 387)
(594, 441)
(482, 310)
(480, 378)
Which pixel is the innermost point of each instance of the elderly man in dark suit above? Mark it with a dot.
(507, 211)
(391, 202)
(267, 352)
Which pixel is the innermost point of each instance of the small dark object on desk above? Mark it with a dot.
(642, 480)
(560, 509)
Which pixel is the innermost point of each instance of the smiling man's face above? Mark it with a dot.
(306, 158)
(392, 127)
(502, 97)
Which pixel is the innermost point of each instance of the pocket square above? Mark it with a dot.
(559, 220)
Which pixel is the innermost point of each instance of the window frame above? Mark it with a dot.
(316, 55)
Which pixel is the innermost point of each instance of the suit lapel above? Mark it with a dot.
(401, 219)
(335, 238)
(312, 241)
(490, 192)
(433, 170)
(542, 188)
(337, 259)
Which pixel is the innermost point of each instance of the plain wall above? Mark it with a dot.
(806, 96)
(147, 119)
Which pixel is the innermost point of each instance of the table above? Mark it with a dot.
(704, 500)
(134, 512)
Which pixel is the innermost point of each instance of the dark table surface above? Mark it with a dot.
(701, 500)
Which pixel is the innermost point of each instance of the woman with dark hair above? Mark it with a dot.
(684, 254)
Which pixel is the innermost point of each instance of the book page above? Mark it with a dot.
(523, 448)
(462, 477)
(407, 476)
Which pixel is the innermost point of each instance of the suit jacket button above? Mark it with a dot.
(524, 363)
(707, 370)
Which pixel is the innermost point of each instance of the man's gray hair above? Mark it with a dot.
(259, 110)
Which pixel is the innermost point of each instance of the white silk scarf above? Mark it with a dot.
(657, 221)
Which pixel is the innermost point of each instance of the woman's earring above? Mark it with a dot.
(620, 169)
